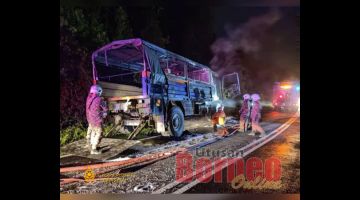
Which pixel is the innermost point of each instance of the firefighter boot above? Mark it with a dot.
(262, 135)
(95, 152)
(262, 132)
(252, 133)
(257, 128)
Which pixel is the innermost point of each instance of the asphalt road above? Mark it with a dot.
(154, 176)
(285, 147)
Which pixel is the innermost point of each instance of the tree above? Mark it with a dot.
(152, 31)
(82, 30)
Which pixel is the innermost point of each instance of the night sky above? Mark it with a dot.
(192, 30)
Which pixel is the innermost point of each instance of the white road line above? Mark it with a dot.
(251, 147)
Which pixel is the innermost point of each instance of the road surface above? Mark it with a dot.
(152, 177)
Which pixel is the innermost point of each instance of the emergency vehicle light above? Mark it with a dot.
(285, 87)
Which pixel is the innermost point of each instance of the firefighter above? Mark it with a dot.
(255, 116)
(244, 112)
(96, 111)
(219, 117)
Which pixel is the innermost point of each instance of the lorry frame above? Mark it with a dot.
(145, 84)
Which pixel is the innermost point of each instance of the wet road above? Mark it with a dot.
(285, 147)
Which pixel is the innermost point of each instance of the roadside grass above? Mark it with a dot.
(72, 133)
(77, 132)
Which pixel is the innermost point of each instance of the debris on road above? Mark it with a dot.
(148, 187)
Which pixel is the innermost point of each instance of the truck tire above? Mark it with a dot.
(176, 122)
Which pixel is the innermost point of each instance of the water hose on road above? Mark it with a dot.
(124, 163)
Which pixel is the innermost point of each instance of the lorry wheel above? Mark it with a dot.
(176, 122)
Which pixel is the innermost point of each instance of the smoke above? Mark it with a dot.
(241, 42)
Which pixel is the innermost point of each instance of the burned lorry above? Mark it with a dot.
(146, 85)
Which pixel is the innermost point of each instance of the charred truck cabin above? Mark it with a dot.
(148, 85)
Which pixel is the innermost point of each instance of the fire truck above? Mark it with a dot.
(286, 96)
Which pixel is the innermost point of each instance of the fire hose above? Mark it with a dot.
(124, 163)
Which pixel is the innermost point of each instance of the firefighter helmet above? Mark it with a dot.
(255, 97)
(96, 89)
(219, 107)
(246, 96)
